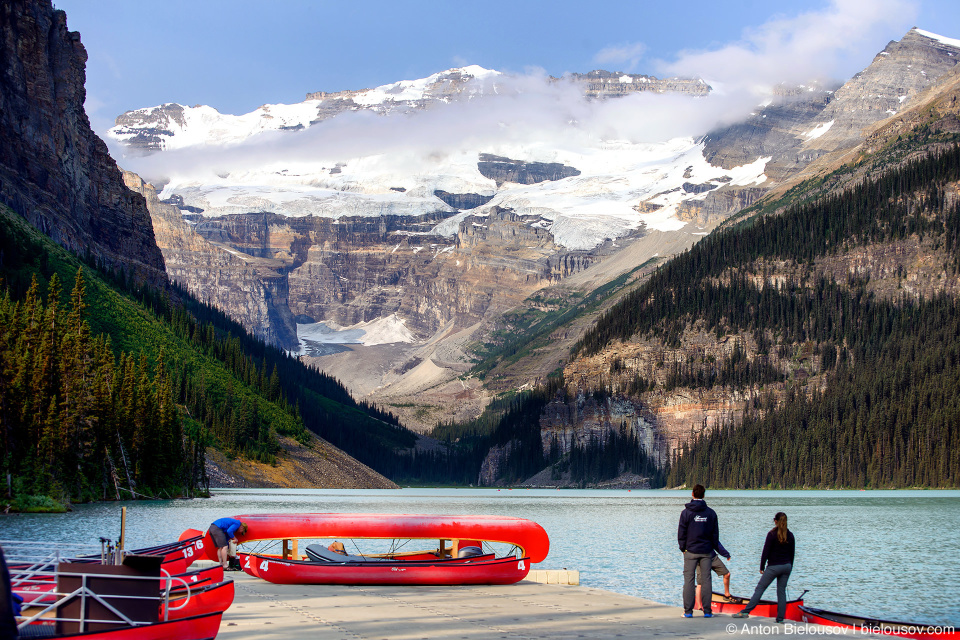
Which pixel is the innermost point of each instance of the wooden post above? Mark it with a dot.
(296, 554)
(123, 533)
(444, 551)
(286, 549)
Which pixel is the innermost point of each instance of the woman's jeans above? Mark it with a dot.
(782, 573)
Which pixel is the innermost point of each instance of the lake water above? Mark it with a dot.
(887, 554)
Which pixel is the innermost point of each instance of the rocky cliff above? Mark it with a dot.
(252, 288)
(802, 124)
(265, 270)
(615, 84)
(53, 170)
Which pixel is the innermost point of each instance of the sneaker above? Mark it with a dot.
(740, 614)
(708, 615)
(779, 620)
(687, 615)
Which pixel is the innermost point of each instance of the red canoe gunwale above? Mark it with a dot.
(529, 536)
(199, 627)
(882, 627)
(453, 571)
(764, 608)
(211, 598)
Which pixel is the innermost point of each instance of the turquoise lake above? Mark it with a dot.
(886, 554)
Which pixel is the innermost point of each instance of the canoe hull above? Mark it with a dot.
(526, 534)
(202, 627)
(765, 608)
(440, 572)
(881, 627)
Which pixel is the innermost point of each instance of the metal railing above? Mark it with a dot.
(42, 576)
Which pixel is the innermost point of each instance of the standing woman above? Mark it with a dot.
(776, 561)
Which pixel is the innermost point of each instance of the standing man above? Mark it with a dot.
(224, 531)
(699, 537)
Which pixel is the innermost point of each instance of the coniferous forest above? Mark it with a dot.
(113, 387)
(888, 414)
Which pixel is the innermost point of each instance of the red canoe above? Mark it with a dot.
(425, 567)
(883, 627)
(452, 571)
(525, 534)
(764, 609)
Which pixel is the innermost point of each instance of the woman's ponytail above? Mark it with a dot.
(781, 521)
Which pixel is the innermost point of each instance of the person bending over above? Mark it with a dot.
(224, 531)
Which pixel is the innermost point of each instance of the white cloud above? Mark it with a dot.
(627, 56)
(830, 44)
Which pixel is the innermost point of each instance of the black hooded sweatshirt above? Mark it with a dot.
(699, 531)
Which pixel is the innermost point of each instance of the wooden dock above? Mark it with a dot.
(524, 610)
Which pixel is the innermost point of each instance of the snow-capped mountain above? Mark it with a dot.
(173, 126)
(441, 202)
(304, 159)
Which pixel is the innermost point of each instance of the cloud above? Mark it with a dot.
(627, 56)
(832, 43)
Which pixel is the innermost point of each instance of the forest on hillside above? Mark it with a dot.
(160, 376)
(889, 413)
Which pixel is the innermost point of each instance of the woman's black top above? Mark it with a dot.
(776, 552)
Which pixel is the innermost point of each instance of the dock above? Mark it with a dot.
(526, 609)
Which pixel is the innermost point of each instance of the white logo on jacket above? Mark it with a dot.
(699, 518)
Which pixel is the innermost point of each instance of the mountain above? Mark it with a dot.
(820, 392)
(442, 228)
(54, 171)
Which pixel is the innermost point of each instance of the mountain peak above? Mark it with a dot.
(950, 42)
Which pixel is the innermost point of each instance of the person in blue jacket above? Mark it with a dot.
(223, 532)
(699, 537)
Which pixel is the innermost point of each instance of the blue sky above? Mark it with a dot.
(236, 55)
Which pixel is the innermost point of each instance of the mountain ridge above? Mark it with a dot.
(506, 236)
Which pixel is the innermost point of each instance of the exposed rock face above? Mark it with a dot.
(54, 171)
(502, 170)
(462, 201)
(359, 270)
(607, 84)
(566, 422)
(806, 123)
(580, 419)
(251, 288)
(265, 269)
(150, 128)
